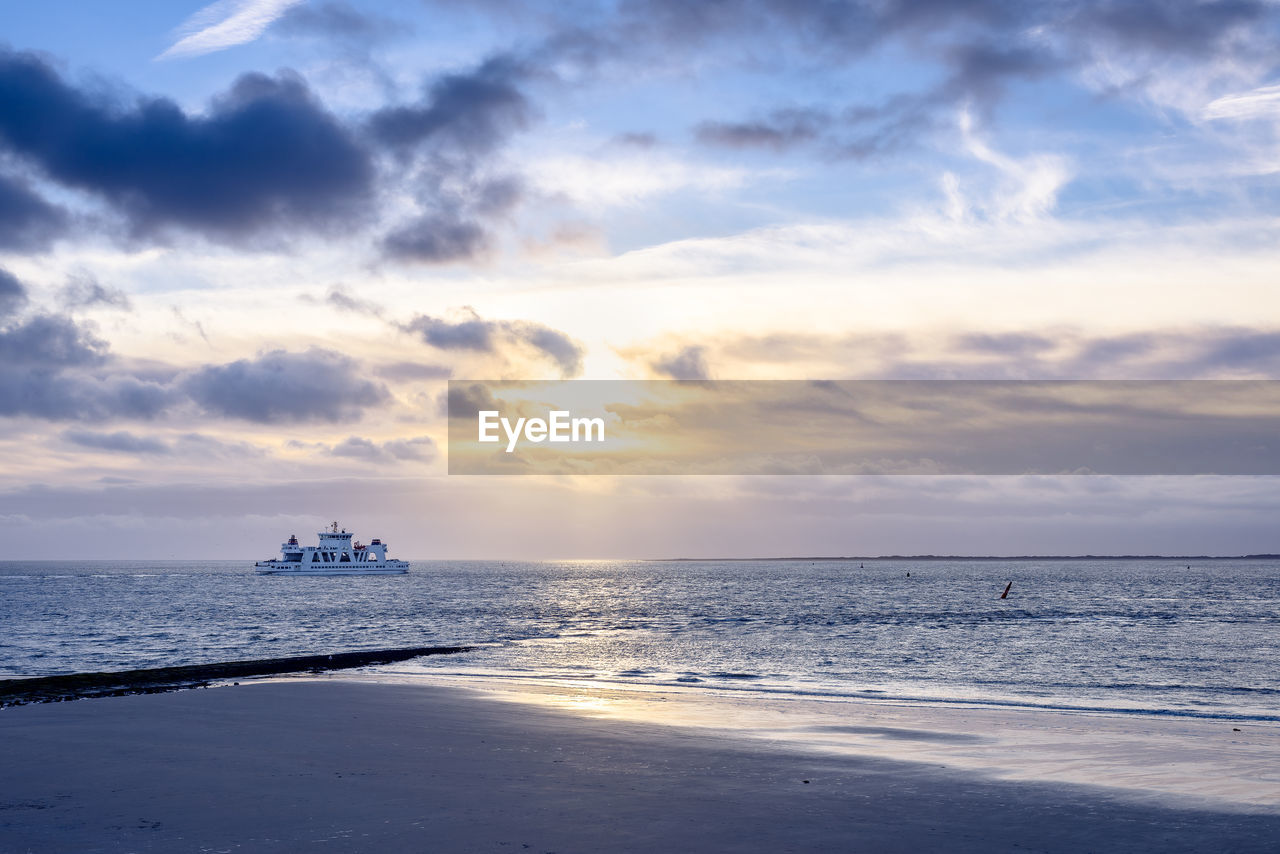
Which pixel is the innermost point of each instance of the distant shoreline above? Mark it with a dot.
(967, 557)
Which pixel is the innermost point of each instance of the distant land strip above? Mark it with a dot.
(73, 686)
(972, 557)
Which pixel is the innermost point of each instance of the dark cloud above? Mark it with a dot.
(121, 441)
(13, 295)
(265, 153)
(343, 301)
(27, 222)
(279, 387)
(357, 448)
(52, 367)
(420, 449)
(690, 363)
(84, 291)
(335, 21)
(1245, 348)
(844, 31)
(466, 401)
(444, 144)
(562, 349)
(1194, 28)
(437, 238)
(783, 129)
(492, 336)
(472, 334)
(474, 112)
(497, 196)
(49, 341)
(979, 75)
(980, 71)
(413, 371)
(61, 396)
(1062, 354)
(983, 48)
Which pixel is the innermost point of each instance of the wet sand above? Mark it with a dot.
(360, 765)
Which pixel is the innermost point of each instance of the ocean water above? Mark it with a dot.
(1128, 636)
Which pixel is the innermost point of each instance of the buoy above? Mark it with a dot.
(1007, 588)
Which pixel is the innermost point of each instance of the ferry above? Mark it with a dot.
(336, 555)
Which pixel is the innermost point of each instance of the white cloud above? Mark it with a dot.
(597, 183)
(1031, 185)
(1263, 102)
(225, 24)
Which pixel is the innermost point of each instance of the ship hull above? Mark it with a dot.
(389, 568)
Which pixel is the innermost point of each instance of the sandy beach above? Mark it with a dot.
(364, 764)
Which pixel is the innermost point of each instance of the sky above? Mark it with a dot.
(244, 246)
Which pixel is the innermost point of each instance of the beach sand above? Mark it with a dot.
(364, 764)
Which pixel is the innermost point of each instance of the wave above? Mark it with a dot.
(698, 681)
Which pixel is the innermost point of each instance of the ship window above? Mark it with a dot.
(372, 556)
(345, 558)
(315, 557)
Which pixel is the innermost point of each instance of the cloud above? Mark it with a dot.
(49, 393)
(444, 143)
(339, 298)
(121, 441)
(84, 291)
(413, 371)
(475, 334)
(419, 449)
(264, 154)
(225, 24)
(978, 75)
(1262, 102)
(282, 387)
(598, 183)
(334, 21)
(49, 341)
(690, 363)
(437, 238)
(1191, 28)
(463, 402)
(1031, 184)
(13, 294)
(783, 129)
(1209, 353)
(53, 367)
(473, 112)
(27, 222)
(357, 448)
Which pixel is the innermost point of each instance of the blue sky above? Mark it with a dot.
(245, 243)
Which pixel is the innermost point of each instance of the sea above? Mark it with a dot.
(1197, 638)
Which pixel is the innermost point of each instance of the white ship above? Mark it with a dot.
(336, 555)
